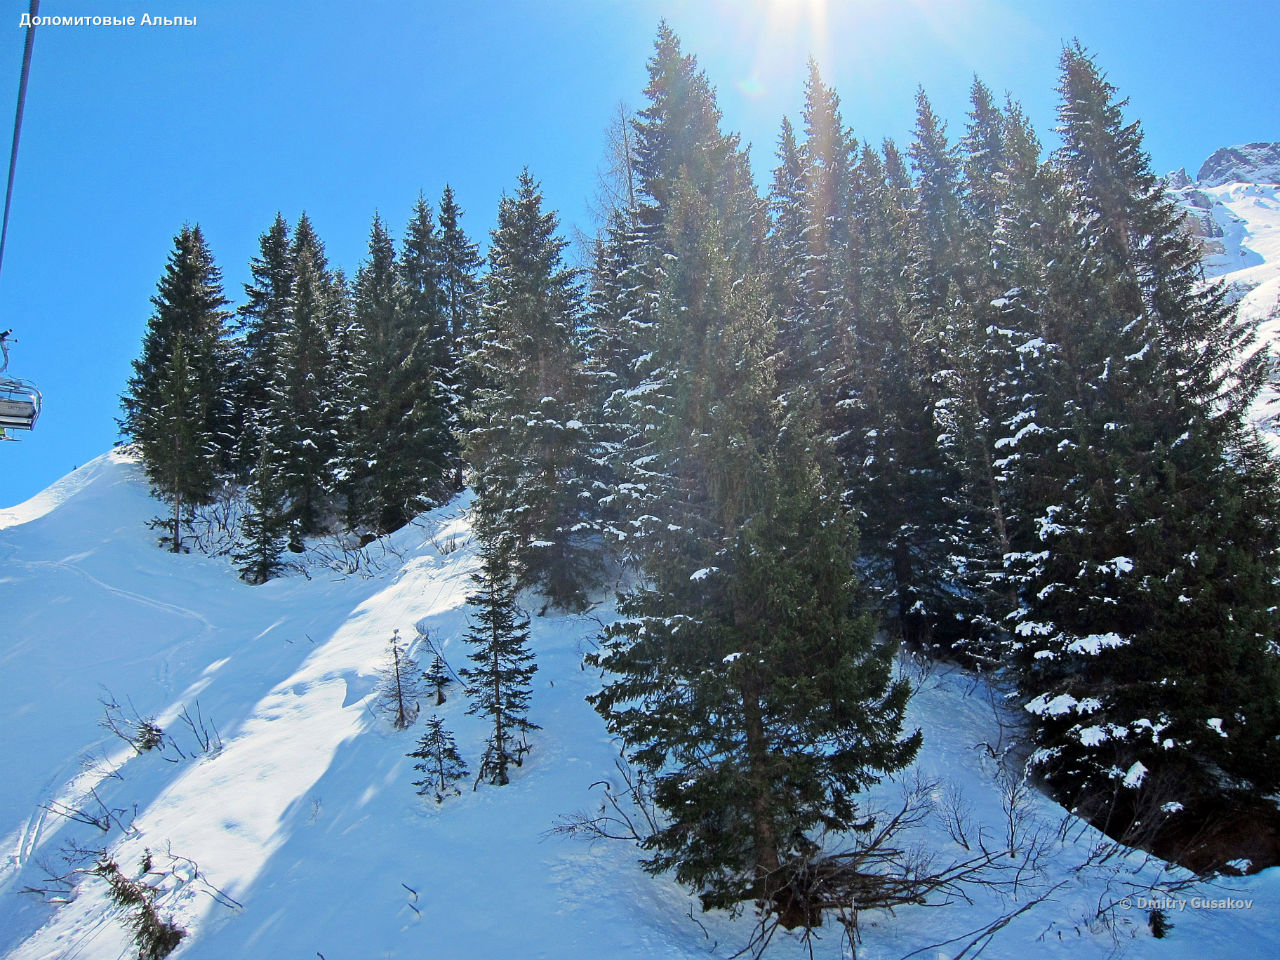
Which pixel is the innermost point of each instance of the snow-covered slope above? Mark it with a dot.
(1234, 207)
(302, 836)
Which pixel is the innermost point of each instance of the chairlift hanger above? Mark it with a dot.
(20, 400)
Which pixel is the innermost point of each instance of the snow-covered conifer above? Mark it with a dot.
(527, 442)
(175, 402)
(499, 683)
(439, 762)
(303, 416)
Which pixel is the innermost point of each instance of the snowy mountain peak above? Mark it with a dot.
(1249, 163)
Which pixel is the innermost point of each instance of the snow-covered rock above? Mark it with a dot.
(1248, 162)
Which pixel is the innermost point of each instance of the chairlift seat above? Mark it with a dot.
(19, 405)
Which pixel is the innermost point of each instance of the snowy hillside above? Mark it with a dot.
(1234, 207)
(302, 835)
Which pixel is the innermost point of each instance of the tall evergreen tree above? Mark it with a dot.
(993, 351)
(261, 322)
(985, 161)
(526, 442)
(746, 606)
(787, 262)
(499, 683)
(755, 695)
(879, 414)
(460, 265)
(703, 226)
(1148, 546)
(422, 280)
(304, 412)
(175, 402)
(399, 452)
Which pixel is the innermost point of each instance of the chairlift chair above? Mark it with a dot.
(19, 399)
(19, 405)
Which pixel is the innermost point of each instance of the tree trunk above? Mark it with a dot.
(499, 733)
(177, 522)
(772, 881)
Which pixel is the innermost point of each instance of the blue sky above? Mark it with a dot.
(342, 109)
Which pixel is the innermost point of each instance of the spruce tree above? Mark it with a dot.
(439, 762)
(754, 693)
(1146, 549)
(717, 674)
(703, 227)
(304, 413)
(499, 683)
(262, 530)
(878, 405)
(422, 281)
(992, 353)
(175, 402)
(527, 443)
(438, 678)
(398, 453)
(789, 290)
(261, 322)
(460, 265)
(619, 316)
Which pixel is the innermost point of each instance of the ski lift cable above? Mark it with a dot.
(17, 123)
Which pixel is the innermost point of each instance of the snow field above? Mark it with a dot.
(304, 836)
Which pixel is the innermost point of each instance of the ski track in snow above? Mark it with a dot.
(122, 593)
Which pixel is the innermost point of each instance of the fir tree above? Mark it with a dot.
(422, 280)
(985, 161)
(707, 335)
(438, 678)
(460, 265)
(1146, 549)
(619, 309)
(438, 761)
(526, 442)
(755, 695)
(879, 415)
(499, 683)
(788, 287)
(304, 413)
(992, 351)
(745, 553)
(262, 531)
(175, 402)
(399, 453)
(261, 322)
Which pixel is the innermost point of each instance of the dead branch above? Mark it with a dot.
(624, 814)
